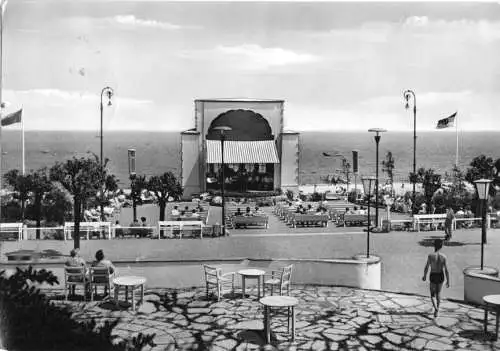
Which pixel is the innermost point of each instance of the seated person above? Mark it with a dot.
(175, 211)
(101, 261)
(75, 260)
(258, 211)
(362, 211)
(238, 212)
(310, 208)
(186, 209)
(248, 212)
(355, 210)
(143, 222)
(195, 214)
(133, 226)
(183, 213)
(118, 229)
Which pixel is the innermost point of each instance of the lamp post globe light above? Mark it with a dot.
(407, 94)
(377, 132)
(483, 187)
(368, 185)
(223, 130)
(109, 93)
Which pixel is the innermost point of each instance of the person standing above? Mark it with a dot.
(448, 223)
(437, 263)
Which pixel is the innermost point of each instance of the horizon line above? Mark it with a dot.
(447, 130)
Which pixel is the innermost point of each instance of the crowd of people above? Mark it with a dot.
(248, 212)
(186, 212)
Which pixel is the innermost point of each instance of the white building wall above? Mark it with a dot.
(290, 161)
(190, 160)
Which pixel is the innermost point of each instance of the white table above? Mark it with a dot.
(278, 301)
(251, 274)
(129, 282)
(492, 302)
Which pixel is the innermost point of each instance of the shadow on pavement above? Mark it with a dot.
(477, 335)
(429, 242)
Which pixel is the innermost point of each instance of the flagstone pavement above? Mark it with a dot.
(328, 318)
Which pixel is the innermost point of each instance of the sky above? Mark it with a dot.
(337, 65)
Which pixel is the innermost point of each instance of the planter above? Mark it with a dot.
(480, 282)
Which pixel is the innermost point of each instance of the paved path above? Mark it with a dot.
(403, 253)
(328, 318)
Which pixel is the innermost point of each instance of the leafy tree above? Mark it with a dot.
(483, 167)
(21, 185)
(430, 182)
(82, 178)
(57, 204)
(40, 184)
(32, 186)
(388, 168)
(164, 186)
(137, 185)
(109, 187)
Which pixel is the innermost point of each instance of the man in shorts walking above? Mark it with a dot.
(437, 262)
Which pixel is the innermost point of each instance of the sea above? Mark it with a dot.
(158, 152)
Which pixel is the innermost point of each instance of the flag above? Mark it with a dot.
(446, 122)
(12, 118)
(3, 4)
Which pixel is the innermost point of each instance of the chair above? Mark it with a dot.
(100, 276)
(216, 279)
(281, 279)
(73, 277)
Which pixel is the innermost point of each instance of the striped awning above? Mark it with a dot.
(262, 151)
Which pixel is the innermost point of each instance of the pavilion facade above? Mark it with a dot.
(258, 154)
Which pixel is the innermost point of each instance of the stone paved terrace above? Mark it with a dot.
(328, 318)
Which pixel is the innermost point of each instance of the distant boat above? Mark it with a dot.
(45, 151)
(4, 152)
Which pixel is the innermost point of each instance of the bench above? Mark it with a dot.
(11, 231)
(180, 228)
(141, 232)
(314, 219)
(433, 220)
(88, 229)
(355, 219)
(250, 221)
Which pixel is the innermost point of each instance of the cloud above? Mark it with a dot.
(132, 21)
(251, 57)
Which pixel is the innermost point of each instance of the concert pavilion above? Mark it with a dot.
(258, 154)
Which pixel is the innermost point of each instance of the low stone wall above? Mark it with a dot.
(356, 272)
(479, 283)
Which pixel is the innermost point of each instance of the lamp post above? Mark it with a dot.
(377, 132)
(482, 187)
(368, 185)
(407, 94)
(222, 130)
(109, 92)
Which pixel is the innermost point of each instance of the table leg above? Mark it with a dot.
(267, 324)
(498, 319)
(133, 298)
(243, 286)
(258, 287)
(288, 315)
(142, 293)
(116, 294)
(485, 319)
(293, 323)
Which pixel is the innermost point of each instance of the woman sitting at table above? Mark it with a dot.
(248, 212)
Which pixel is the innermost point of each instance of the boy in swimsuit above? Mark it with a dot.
(437, 262)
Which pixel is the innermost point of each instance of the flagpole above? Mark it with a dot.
(456, 130)
(22, 142)
(2, 5)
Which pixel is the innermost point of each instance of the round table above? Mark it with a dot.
(129, 282)
(251, 274)
(278, 301)
(492, 302)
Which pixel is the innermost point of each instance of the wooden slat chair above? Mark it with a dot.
(100, 276)
(74, 277)
(214, 278)
(281, 279)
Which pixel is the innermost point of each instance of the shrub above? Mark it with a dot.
(30, 322)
